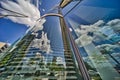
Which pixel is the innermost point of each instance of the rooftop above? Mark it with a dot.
(2, 44)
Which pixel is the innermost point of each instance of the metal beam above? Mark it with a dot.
(49, 14)
(64, 3)
(16, 13)
(73, 7)
(2, 16)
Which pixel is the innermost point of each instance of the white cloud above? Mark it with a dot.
(25, 8)
(43, 43)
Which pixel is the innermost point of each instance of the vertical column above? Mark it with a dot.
(66, 38)
(72, 73)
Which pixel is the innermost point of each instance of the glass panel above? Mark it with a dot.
(97, 38)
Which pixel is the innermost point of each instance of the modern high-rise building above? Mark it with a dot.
(65, 49)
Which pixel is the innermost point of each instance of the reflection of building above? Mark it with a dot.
(3, 47)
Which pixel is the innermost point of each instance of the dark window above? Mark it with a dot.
(6, 46)
(0, 51)
(2, 48)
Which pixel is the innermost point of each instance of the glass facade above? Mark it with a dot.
(95, 40)
(75, 44)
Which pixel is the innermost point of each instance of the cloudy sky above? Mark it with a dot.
(88, 12)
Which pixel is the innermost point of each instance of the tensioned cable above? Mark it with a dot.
(14, 12)
(1, 16)
(72, 8)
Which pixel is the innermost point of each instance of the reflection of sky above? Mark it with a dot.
(85, 13)
(47, 5)
(92, 11)
(52, 26)
(54, 33)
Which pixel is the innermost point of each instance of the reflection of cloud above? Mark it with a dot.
(84, 39)
(108, 47)
(77, 41)
(99, 23)
(84, 29)
(87, 33)
(116, 54)
(114, 24)
(24, 8)
(107, 30)
(60, 60)
(43, 43)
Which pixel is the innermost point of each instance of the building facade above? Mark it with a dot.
(3, 46)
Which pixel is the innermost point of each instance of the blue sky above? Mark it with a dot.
(87, 12)
(10, 31)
